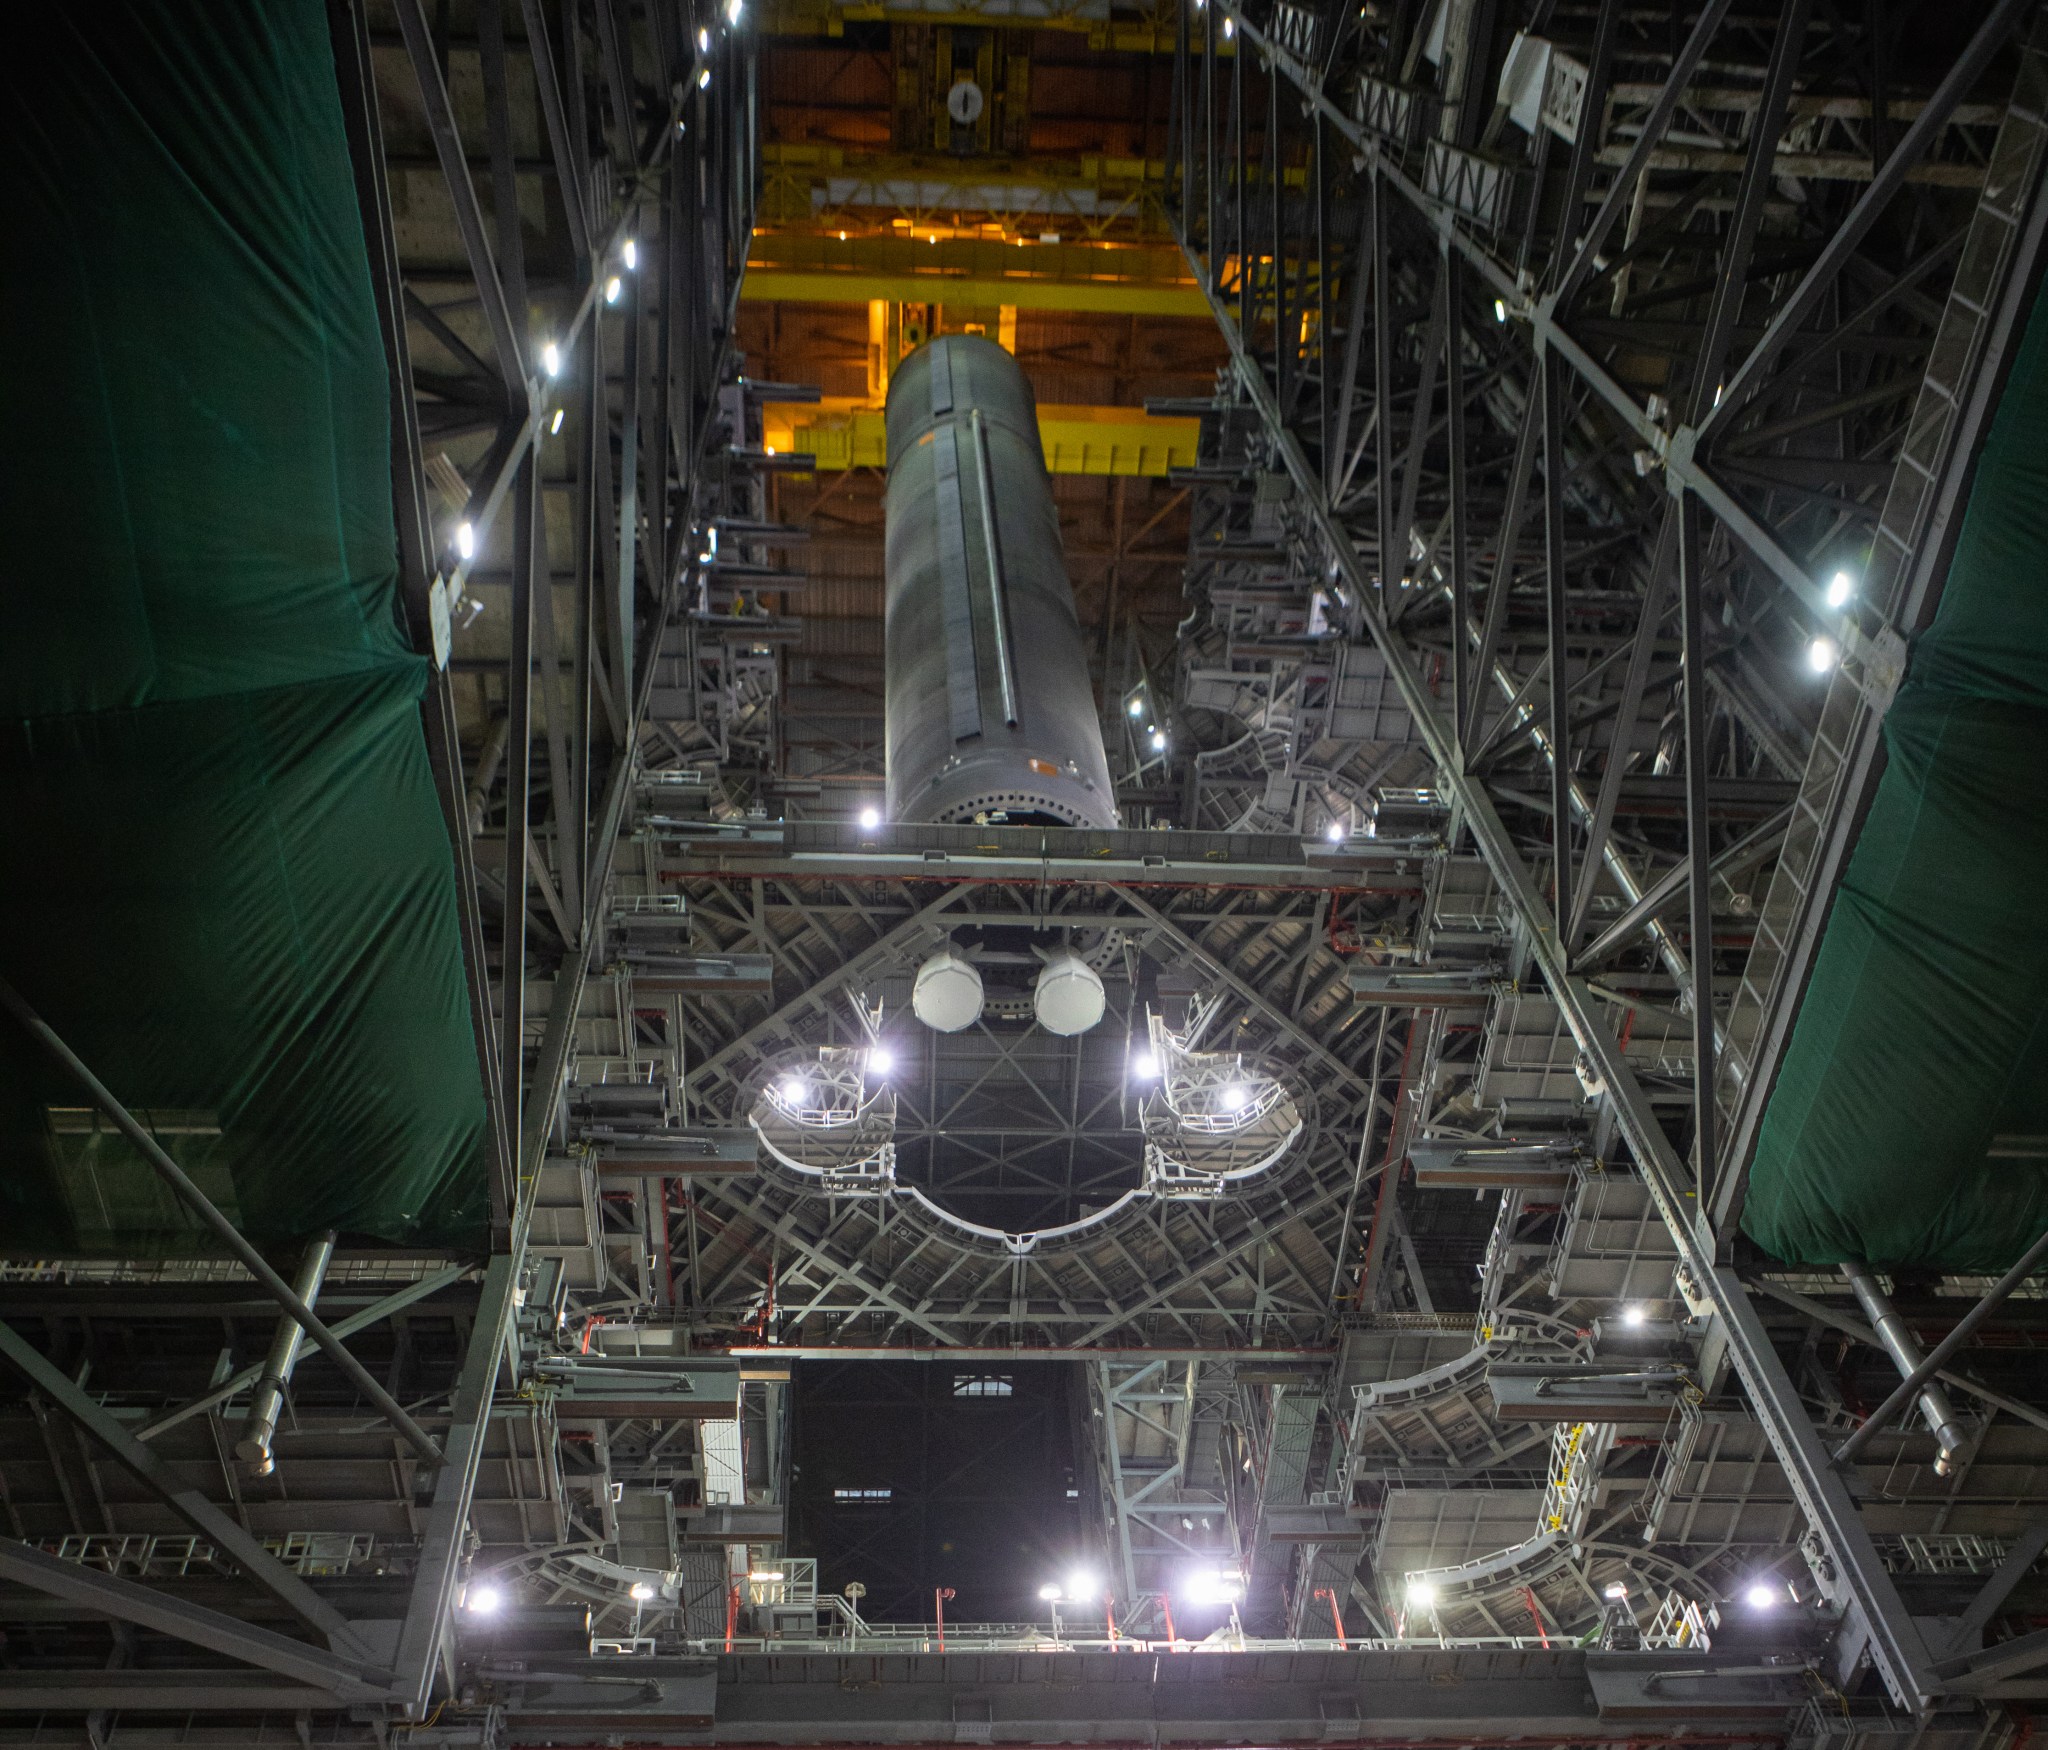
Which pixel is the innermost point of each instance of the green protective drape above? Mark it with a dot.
(1923, 1034)
(224, 875)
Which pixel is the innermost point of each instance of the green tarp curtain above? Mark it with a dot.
(1907, 1123)
(224, 875)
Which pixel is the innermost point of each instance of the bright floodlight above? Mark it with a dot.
(555, 424)
(703, 41)
(551, 359)
(765, 1574)
(1158, 741)
(881, 1060)
(870, 818)
(1421, 1594)
(793, 1090)
(465, 539)
(1136, 707)
(1614, 1591)
(1144, 1066)
(629, 253)
(612, 288)
(1234, 1098)
(733, 11)
(1335, 832)
(482, 1600)
(1500, 309)
(1633, 1315)
(1230, 27)
(640, 1591)
(1840, 588)
(704, 79)
(1051, 1594)
(1211, 1587)
(1761, 1596)
(1082, 1586)
(1822, 655)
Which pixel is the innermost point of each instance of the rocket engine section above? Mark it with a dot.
(990, 714)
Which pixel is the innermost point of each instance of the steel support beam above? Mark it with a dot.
(1692, 620)
(225, 1534)
(1822, 1314)
(1790, 313)
(347, 1680)
(424, 1634)
(1744, 853)
(1991, 1596)
(1965, 1328)
(1823, 1496)
(374, 1314)
(1675, 450)
(223, 1229)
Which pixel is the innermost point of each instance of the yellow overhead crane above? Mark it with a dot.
(1093, 197)
(843, 432)
(1149, 34)
(957, 226)
(933, 266)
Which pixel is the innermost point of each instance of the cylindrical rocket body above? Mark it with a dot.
(989, 706)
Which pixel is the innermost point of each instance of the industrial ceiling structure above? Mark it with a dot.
(694, 1058)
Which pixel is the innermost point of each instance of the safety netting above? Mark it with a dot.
(225, 878)
(1909, 1122)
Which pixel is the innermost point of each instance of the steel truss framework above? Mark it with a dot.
(1572, 423)
(552, 398)
(1514, 514)
(1028, 1141)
